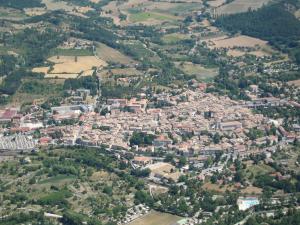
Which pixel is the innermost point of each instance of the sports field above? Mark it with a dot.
(156, 218)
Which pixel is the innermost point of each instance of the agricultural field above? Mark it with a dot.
(201, 73)
(71, 52)
(294, 82)
(297, 14)
(238, 53)
(216, 3)
(112, 10)
(238, 41)
(12, 14)
(109, 54)
(143, 11)
(35, 11)
(151, 18)
(140, 51)
(238, 6)
(57, 5)
(155, 218)
(69, 66)
(175, 38)
(217, 188)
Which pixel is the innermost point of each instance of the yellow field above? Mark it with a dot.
(57, 5)
(66, 67)
(239, 41)
(35, 11)
(156, 218)
(87, 73)
(217, 188)
(40, 70)
(61, 75)
(237, 53)
(294, 82)
(297, 13)
(68, 64)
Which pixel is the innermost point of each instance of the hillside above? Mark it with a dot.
(273, 23)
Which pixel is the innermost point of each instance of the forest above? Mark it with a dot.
(21, 4)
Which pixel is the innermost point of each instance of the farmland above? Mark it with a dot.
(71, 52)
(238, 6)
(295, 82)
(174, 38)
(151, 17)
(109, 54)
(69, 66)
(201, 73)
(238, 41)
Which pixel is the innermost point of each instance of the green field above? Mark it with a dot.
(71, 52)
(143, 16)
(174, 38)
(258, 170)
(57, 179)
(155, 218)
(201, 73)
(182, 8)
(109, 54)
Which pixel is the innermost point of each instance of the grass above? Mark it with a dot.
(52, 88)
(139, 51)
(218, 188)
(143, 16)
(155, 218)
(238, 6)
(57, 179)
(182, 8)
(201, 73)
(258, 170)
(112, 55)
(12, 15)
(174, 38)
(4, 50)
(71, 52)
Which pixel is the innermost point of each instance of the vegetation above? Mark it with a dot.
(273, 23)
(21, 4)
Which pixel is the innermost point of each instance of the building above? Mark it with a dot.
(142, 161)
(162, 142)
(230, 125)
(245, 203)
(7, 115)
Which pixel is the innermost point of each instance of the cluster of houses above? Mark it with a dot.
(185, 123)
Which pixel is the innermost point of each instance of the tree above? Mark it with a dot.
(182, 161)
(216, 138)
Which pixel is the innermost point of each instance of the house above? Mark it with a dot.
(117, 102)
(164, 171)
(7, 115)
(230, 125)
(142, 160)
(162, 141)
(296, 127)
